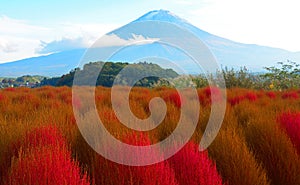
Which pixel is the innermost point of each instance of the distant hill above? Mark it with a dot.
(25, 81)
(50, 65)
(228, 53)
(109, 73)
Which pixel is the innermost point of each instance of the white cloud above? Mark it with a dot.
(193, 3)
(21, 39)
(8, 47)
(90, 32)
(272, 23)
(89, 40)
(114, 40)
(184, 2)
(20, 28)
(16, 48)
(17, 39)
(61, 45)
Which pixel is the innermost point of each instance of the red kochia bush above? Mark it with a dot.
(271, 94)
(110, 173)
(194, 167)
(291, 123)
(1, 97)
(41, 136)
(43, 158)
(175, 98)
(236, 100)
(251, 96)
(205, 95)
(44, 166)
(44, 135)
(290, 95)
(212, 90)
(10, 89)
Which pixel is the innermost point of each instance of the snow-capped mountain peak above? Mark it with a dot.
(161, 15)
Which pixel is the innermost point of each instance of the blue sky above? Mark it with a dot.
(30, 28)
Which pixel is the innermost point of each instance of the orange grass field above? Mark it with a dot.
(258, 144)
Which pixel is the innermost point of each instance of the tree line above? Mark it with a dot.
(284, 75)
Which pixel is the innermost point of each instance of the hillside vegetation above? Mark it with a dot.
(285, 75)
(109, 72)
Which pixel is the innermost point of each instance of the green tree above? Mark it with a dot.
(284, 76)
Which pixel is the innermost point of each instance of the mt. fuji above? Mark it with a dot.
(227, 53)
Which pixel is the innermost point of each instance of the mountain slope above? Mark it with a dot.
(227, 52)
(50, 65)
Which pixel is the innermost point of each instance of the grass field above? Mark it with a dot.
(259, 142)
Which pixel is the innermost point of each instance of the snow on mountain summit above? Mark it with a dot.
(161, 15)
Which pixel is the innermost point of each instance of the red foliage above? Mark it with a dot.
(212, 90)
(215, 91)
(41, 136)
(43, 158)
(46, 165)
(105, 172)
(291, 123)
(159, 173)
(290, 95)
(202, 98)
(204, 95)
(10, 89)
(45, 135)
(162, 172)
(236, 100)
(194, 167)
(2, 97)
(137, 139)
(175, 98)
(251, 96)
(271, 94)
